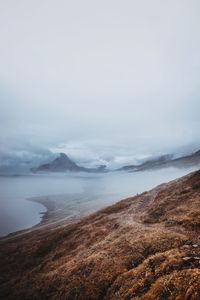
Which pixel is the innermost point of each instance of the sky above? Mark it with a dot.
(101, 80)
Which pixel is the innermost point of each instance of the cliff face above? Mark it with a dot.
(144, 247)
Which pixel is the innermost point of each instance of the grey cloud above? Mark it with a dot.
(119, 79)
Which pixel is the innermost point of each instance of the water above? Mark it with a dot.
(76, 194)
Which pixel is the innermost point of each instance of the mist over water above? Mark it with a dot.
(79, 194)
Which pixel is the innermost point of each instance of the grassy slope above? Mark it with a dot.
(144, 247)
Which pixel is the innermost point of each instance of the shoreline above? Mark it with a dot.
(55, 215)
(45, 220)
(50, 219)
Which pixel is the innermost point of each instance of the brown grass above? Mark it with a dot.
(144, 247)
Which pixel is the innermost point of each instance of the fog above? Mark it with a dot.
(106, 81)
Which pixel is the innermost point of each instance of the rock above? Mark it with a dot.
(187, 258)
(188, 242)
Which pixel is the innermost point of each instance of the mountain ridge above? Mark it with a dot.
(165, 161)
(63, 163)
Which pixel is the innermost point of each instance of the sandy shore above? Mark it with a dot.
(54, 217)
(50, 219)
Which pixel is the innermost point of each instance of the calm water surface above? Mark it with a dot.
(79, 193)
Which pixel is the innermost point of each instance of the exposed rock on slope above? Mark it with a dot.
(144, 247)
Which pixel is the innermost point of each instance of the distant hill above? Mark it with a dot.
(165, 161)
(63, 163)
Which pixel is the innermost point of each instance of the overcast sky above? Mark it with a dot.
(100, 78)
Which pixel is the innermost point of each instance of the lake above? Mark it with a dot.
(80, 194)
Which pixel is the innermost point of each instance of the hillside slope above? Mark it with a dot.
(143, 247)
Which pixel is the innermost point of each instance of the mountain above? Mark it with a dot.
(165, 161)
(63, 163)
(143, 247)
(59, 164)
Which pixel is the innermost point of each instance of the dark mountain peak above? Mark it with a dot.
(59, 164)
(63, 155)
(63, 163)
(63, 158)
